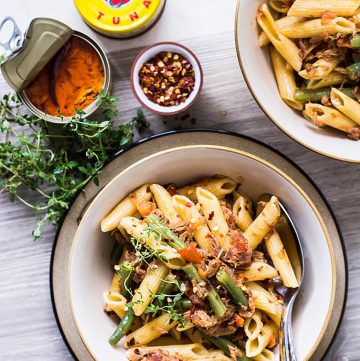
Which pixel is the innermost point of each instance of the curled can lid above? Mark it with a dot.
(43, 39)
(118, 16)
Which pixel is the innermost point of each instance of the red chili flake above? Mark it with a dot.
(211, 216)
(188, 204)
(167, 79)
(171, 190)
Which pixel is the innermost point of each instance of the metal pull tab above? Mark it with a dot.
(14, 42)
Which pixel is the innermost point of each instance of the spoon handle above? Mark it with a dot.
(287, 350)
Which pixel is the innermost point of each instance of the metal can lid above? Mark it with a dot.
(43, 39)
(117, 16)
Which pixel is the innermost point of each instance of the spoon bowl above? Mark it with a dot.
(292, 244)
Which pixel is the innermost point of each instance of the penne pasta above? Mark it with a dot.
(194, 351)
(137, 229)
(115, 302)
(175, 334)
(313, 9)
(167, 340)
(187, 326)
(285, 79)
(242, 210)
(263, 223)
(164, 202)
(256, 346)
(150, 331)
(214, 216)
(219, 186)
(266, 302)
(334, 78)
(279, 257)
(195, 335)
(156, 272)
(282, 24)
(259, 271)
(281, 6)
(115, 283)
(265, 355)
(346, 105)
(288, 50)
(253, 325)
(320, 69)
(125, 208)
(215, 355)
(321, 116)
(316, 27)
(188, 212)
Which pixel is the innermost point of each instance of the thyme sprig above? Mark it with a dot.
(168, 303)
(56, 162)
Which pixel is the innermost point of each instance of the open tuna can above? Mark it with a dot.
(56, 70)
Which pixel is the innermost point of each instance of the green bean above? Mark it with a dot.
(183, 304)
(311, 95)
(123, 327)
(167, 285)
(236, 293)
(216, 304)
(116, 254)
(165, 232)
(192, 272)
(315, 95)
(174, 241)
(355, 41)
(223, 344)
(353, 71)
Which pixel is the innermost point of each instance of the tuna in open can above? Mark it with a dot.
(56, 71)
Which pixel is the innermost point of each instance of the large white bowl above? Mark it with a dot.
(90, 274)
(259, 76)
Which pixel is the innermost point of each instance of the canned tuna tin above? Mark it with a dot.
(120, 18)
(56, 70)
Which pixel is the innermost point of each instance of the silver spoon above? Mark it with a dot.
(292, 244)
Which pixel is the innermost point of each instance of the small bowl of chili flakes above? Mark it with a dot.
(166, 78)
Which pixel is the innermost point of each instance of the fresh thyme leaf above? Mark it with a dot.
(168, 303)
(140, 120)
(53, 161)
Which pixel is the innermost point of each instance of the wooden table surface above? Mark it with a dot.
(28, 329)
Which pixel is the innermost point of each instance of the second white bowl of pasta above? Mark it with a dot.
(191, 275)
(300, 61)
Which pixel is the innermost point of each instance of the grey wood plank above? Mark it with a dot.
(27, 325)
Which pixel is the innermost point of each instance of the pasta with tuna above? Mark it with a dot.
(192, 277)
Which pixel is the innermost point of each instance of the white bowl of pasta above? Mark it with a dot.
(300, 62)
(190, 270)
